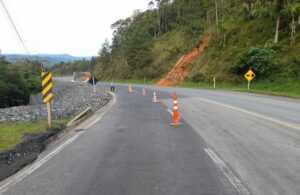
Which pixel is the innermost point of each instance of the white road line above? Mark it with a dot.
(170, 111)
(274, 120)
(24, 173)
(13, 180)
(233, 179)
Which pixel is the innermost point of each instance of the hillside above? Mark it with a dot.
(47, 59)
(243, 35)
(161, 44)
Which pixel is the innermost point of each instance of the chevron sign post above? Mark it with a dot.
(47, 92)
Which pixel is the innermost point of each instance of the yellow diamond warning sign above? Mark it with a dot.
(249, 75)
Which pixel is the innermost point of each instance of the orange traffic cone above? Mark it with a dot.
(154, 99)
(144, 92)
(175, 111)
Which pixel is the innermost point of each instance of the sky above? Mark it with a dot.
(75, 27)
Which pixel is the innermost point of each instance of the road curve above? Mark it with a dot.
(133, 149)
(229, 143)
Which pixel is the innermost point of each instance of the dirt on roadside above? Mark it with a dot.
(178, 73)
(24, 153)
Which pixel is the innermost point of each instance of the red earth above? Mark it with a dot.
(178, 73)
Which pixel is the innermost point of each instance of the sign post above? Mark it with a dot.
(94, 84)
(248, 85)
(47, 93)
(249, 76)
(49, 114)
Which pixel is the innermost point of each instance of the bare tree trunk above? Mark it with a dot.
(188, 5)
(217, 18)
(277, 29)
(293, 27)
(158, 21)
(224, 40)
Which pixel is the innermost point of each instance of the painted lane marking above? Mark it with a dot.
(170, 111)
(274, 120)
(233, 179)
(27, 171)
(19, 177)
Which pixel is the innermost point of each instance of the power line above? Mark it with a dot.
(15, 29)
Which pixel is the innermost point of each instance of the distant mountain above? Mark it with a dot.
(47, 59)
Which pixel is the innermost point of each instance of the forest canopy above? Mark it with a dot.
(18, 81)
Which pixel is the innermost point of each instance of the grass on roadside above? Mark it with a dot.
(286, 88)
(12, 133)
(289, 89)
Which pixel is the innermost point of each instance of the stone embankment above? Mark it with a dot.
(69, 99)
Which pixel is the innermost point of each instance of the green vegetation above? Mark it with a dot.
(18, 81)
(12, 133)
(289, 88)
(243, 36)
(262, 35)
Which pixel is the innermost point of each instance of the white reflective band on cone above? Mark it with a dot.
(175, 107)
(175, 102)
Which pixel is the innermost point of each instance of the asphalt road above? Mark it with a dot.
(229, 143)
(133, 149)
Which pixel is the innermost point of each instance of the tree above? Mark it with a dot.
(279, 7)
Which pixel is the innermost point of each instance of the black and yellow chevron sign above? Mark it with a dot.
(47, 87)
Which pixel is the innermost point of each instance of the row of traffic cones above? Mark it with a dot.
(154, 99)
(176, 121)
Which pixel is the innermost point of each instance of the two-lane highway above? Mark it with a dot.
(229, 143)
(133, 149)
(258, 136)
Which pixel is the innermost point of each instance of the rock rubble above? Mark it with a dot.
(69, 99)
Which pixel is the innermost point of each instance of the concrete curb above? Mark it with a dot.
(76, 122)
(81, 116)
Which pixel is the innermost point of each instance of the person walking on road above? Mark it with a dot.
(112, 87)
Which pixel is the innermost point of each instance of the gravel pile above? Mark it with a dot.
(69, 99)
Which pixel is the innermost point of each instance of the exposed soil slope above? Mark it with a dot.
(178, 72)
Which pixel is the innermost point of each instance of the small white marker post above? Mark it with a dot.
(214, 83)
(94, 84)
